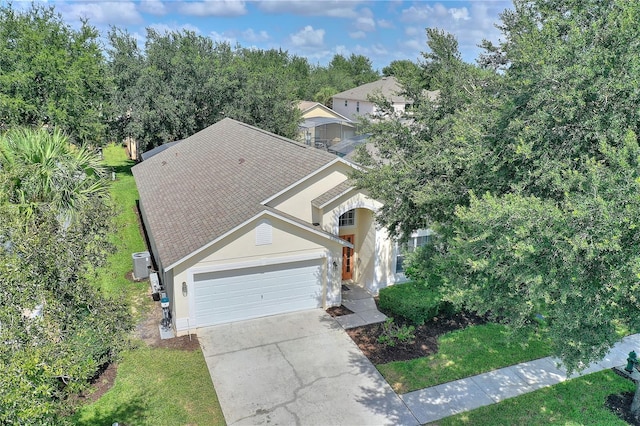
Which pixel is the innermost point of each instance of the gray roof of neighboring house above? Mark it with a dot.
(213, 181)
(319, 121)
(157, 150)
(305, 105)
(387, 86)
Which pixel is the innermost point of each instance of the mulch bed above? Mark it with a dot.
(620, 405)
(338, 311)
(425, 343)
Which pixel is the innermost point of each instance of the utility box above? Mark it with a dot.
(141, 265)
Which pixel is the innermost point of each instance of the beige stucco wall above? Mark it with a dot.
(365, 248)
(297, 201)
(239, 248)
(376, 251)
(318, 111)
(351, 200)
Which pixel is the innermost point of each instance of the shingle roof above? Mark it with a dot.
(213, 181)
(305, 105)
(334, 192)
(157, 150)
(387, 86)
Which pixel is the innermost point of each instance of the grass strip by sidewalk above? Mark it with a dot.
(577, 401)
(463, 353)
(157, 387)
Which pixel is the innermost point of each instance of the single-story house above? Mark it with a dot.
(243, 223)
(321, 127)
(355, 103)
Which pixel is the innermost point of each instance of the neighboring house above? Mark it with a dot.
(157, 150)
(322, 127)
(243, 223)
(355, 103)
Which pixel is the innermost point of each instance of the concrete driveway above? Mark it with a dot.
(298, 368)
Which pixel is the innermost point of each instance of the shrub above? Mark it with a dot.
(414, 302)
(392, 333)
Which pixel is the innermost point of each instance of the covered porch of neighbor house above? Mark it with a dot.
(323, 132)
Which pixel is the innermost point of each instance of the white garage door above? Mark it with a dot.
(239, 294)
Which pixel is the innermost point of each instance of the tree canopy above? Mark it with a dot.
(51, 74)
(527, 167)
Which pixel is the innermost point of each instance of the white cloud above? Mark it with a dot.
(468, 24)
(154, 7)
(170, 28)
(214, 8)
(458, 14)
(308, 37)
(222, 38)
(412, 31)
(365, 22)
(109, 13)
(384, 23)
(358, 34)
(379, 49)
(253, 37)
(333, 8)
(414, 45)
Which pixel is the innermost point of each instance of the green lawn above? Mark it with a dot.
(153, 386)
(112, 278)
(463, 353)
(157, 387)
(578, 401)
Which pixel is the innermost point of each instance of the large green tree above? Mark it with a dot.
(183, 82)
(56, 329)
(51, 74)
(536, 171)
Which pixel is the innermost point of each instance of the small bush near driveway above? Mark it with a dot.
(414, 302)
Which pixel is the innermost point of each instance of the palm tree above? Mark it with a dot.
(42, 167)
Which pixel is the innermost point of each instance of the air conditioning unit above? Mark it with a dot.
(141, 265)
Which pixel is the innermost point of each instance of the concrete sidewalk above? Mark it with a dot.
(437, 402)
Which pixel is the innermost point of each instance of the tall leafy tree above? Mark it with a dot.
(51, 74)
(536, 170)
(184, 82)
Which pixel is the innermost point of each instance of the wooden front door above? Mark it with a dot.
(347, 258)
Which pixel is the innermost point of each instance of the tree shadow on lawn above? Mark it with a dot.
(123, 168)
(132, 412)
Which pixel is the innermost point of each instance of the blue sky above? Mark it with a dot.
(381, 30)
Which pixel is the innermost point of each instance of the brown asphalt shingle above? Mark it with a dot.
(211, 182)
(332, 193)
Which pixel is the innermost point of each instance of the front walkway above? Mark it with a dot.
(437, 402)
(364, 308)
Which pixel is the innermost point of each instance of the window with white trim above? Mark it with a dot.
(347, 219)
(417, 240)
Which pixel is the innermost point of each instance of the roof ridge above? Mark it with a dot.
(266, 132)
